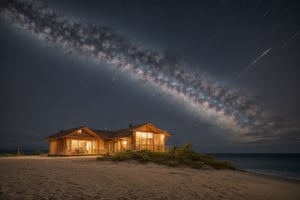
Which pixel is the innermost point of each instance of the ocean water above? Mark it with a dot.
(280, 165)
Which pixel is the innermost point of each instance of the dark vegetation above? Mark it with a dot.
(22, 153)
(38, 152)
(175, 156)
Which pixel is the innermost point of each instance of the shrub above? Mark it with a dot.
(176, 156)
(38, 152)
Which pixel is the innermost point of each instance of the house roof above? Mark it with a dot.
(63, 133)
(70, 132)
(128, 131)
(104, 134)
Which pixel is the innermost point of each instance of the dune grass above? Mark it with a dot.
(175, 156)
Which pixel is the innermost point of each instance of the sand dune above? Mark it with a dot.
(85, 178)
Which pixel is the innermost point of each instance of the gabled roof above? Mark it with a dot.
(70, 132)
(105, 135)
(63, 133)
(128, 131)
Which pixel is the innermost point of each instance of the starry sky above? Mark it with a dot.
(221, 75)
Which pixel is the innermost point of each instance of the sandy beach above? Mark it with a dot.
(36, 177)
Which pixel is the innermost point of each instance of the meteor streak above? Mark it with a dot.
(254, 62)
(206, 97)
(291, 38)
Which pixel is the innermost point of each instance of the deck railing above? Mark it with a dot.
(149, 147)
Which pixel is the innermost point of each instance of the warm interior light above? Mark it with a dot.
(144, 134)
(124, 142)
(162, 136)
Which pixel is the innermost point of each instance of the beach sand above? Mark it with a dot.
(36, 177)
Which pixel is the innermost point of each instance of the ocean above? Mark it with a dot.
(279, 165)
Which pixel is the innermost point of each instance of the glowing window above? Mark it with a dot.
(144, 135)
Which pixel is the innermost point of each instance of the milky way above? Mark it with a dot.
(208, 98)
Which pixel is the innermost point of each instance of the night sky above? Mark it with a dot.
(222, 75)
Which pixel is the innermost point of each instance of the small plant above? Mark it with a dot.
(38, 152)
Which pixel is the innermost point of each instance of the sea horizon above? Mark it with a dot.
(284, 165)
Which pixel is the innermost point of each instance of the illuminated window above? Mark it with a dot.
(74, 144)
(144, 135)
(123, 145)
(159, 139)
(144, 140)
(162, 139)
(80, 146)
(88, 145)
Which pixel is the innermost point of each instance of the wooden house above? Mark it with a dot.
(86, 141)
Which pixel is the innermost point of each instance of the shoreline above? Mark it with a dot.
(94, 157)
(273, 176)
(36, 177)
(279, 178)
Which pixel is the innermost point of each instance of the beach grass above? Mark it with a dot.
(175, 157)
